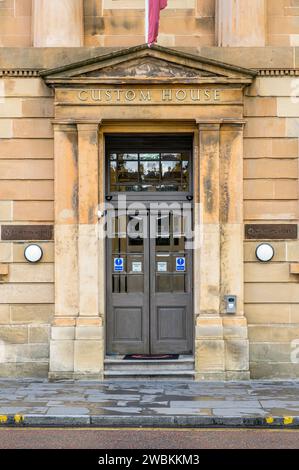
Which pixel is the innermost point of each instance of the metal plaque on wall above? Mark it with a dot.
(27, 232)
(271, 231)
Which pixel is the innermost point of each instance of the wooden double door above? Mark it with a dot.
(149, 282)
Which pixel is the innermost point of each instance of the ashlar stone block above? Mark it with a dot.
(236, 355)
(209, 355)
(88, 356)
(61, 356)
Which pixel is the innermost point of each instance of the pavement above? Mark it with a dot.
(269, 404)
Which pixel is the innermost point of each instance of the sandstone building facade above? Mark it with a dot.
(209, 116)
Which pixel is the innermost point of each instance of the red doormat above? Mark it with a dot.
(151, 356)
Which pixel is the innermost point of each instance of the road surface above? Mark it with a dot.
(30, 438)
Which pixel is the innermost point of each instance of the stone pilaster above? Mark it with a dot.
(209, 342)
(209, 153)
(221, 341)
(58, 23)
(241, 23)
(77, 338)
(66, 251)
(231, 213)
(88, 220)
(231, 242)
(89, 337)
(66, 220)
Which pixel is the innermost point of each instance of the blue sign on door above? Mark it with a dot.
(118, 264)
(180, 264)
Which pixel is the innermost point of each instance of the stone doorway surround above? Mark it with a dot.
(145, 89)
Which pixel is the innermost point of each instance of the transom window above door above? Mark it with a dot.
(151, 167)
(149, 171)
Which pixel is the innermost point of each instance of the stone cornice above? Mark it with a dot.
(278, 72)
(19, 73)
(29, 73)
(122, 56)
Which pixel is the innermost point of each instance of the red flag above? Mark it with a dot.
(152, 19)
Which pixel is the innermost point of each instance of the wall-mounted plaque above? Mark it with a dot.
(271, 231)
(27, 232)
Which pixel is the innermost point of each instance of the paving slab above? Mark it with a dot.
(149, 404)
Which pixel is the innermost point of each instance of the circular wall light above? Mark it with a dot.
(33, 253)
(264, 252)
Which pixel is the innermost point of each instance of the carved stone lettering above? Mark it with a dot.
(105, 96)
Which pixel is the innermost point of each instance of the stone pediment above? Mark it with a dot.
(148, 67)
(155, 64)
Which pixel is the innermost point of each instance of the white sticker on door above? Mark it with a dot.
(137, 267)
(162, 267)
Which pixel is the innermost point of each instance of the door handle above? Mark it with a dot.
(189, 197)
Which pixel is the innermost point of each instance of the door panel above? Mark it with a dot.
(128, 324)
(171, 323)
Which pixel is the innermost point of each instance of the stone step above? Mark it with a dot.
(158, 374)
(181, 364)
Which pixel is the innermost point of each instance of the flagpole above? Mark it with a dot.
(146, 20)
